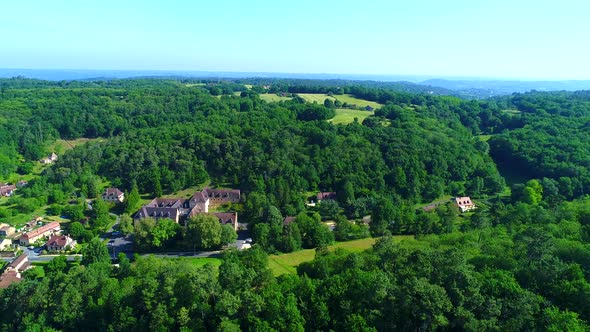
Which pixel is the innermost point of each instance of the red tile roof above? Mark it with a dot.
(36, 232)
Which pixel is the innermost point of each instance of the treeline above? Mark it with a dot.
(518, 267)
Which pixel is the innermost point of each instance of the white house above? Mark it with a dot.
(464, 203)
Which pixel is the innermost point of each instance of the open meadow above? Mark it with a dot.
(287, 263)
(346, 116)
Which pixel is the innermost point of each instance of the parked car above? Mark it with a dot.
(248, 240)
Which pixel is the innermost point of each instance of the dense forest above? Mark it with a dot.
(519, 262)
(519, 267)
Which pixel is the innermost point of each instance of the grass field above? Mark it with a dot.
(484, 138)
(320, 97)
(61, 146)
(359, 102)
(271, 97)
(198, 262)
(445, 198)
(287, 263)
(511, 111)
(346, 116)
(315, 97)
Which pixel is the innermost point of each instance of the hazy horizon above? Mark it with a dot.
(527, 40)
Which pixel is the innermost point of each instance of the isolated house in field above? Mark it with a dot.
(369, 108)
(113, 195)
(6, 190)
(60, 242)
(39, 233)
(50, 159)
(326, 195)
(464, 203)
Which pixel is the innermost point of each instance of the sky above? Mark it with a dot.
(516, 39)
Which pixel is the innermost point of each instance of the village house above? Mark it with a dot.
(39, 233)
(179, 209)
(464, 203)
(60, 242)
(6, 190)
(21, 183)
(50, 159)
(6, 230)
(113, 195)
(13, 272)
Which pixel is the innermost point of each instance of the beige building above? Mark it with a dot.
(5, 244)
(60, 242)
(39, 233)
(6, 230)
(113, 195)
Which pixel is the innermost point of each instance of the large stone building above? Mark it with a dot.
(179, 209)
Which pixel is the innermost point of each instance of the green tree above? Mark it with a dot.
(126, 223)
(164, 231)
(533, 192)
(228, 234)
(203, 231)
(95, 252)
(132, 199)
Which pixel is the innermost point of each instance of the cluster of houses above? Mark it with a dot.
(13, 272)
(179, 209)
(51, 231)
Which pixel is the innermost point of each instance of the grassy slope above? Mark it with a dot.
(269, 98)
(359, 102)
(287, 263)
(346, 116)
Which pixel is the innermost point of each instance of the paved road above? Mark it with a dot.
(44, 258)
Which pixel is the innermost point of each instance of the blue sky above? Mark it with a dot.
(506, 39)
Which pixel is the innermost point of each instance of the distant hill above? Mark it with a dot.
(490, 88)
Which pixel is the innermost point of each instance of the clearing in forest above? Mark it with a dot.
(271, 97)
(287, 263)
(349, 99)
(346, 116)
